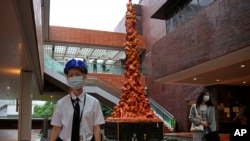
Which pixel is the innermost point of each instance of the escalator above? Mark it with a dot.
(103, 91)
(53, 75)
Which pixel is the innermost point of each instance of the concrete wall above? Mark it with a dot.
(113, 79)
(91, 37)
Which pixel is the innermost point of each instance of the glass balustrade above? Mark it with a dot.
(165, 115)
(109, 69)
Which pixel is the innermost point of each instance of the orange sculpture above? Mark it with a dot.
(133, 105)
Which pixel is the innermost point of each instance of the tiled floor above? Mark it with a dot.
(187, 136)
(12, 135)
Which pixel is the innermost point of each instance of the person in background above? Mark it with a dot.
(104, 66)
(206, 110)
(247, 114)
(95, 66)
(90, 114)
(240, 116)
(85, 62)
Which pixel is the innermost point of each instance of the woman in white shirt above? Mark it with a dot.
(90, 113)
(206, 111)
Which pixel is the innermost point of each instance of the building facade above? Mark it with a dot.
(195, 46)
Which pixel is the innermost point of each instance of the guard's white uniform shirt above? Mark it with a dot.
(63, 115)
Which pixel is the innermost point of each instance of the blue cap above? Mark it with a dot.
(73, 63)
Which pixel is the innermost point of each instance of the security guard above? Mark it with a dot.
(90, 113)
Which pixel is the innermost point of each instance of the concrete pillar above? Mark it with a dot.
(25, 106)
(45, 127)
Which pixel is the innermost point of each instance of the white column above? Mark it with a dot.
(25, 105)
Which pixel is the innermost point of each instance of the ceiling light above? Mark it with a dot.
(242, 66)
(194, 78)
(20, 44)
(217, 80)
(10, 71)
(244, 82)
(8, 87)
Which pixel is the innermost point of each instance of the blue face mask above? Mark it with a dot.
(76, 82)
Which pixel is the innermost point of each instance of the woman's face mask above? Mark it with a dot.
(76, 82)
(206, 97)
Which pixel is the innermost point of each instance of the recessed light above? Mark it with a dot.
(8, 87)
(194, 78)
(217, 80)
(244, 82)
(242, 66)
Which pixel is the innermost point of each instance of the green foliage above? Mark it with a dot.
(106, 110)
(44, 111)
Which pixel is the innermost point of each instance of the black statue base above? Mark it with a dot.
(133, 131)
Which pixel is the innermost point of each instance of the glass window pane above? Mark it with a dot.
(204, 3)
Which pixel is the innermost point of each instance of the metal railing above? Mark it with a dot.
(168, 118)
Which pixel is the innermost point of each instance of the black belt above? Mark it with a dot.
(59, 139)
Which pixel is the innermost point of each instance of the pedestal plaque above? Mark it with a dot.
(133, 131)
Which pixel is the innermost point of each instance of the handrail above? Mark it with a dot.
(2, 106)
(53, 65)
(167, 117)
(94, 81)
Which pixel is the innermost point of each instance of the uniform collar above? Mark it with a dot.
(81, 96)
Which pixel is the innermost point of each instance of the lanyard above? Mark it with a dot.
(73, 101)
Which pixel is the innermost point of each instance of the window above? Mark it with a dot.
(185, 13)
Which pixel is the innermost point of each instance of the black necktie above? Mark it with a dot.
(76, 122)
